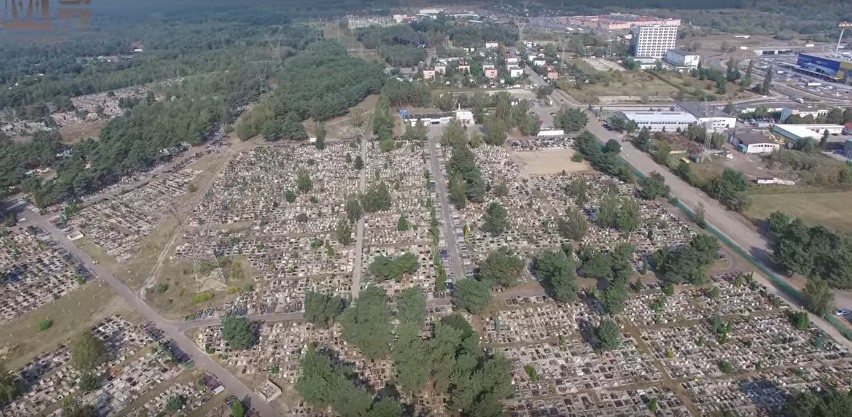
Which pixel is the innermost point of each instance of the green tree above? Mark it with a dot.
(501, 268)
(238, 332)
(495, 221)
(366, 323)
(320, 132)
(402, 223)
(9, 388)
(88, 382)
(343, 232)
(289, 196)
(653, 186)
(303, 181)
(321, 309)
(175, 403)
(472, 295)
(359, 163)
(87, 351)
(800, 320)
(612, 146)
(818, 297)
(824, 403)
(643, 140)
(731, 189)
(608, 334)
(71, 408)
(408, 354)
(557, 272)
(573, 226)
(411, 306)
(495, 131)
(237, 409)
(570, 119)
(384, 268)
(353, 209)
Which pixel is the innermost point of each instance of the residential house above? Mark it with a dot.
(428, 74)
(490, 71)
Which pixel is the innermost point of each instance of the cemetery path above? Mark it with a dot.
(441, 189)
(133, 301)
(357, 263)
(266, 318)
(726, 222)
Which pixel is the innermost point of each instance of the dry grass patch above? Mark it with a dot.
(830, 209)
(70, 314)
(549, 162)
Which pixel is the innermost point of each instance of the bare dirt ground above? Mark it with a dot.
(548, 162)
(74, 134)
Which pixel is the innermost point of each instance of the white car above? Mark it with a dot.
(842, 312)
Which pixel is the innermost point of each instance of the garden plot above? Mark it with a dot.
(34, 271)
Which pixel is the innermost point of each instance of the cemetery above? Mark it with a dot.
(34, 270)
(133, 362)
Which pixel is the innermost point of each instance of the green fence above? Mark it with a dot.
(776, 280)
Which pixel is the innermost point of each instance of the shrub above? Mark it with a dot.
(201, 298)
(531, 372)
(44, 324)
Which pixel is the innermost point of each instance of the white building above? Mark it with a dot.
(682, 60)
(512, 60)
(492, 45)
(658, 121)
(752, 142)
(464, 116)
(709, 116)
(654, 41)
(799, 132)
(802, 111)
(515, 72)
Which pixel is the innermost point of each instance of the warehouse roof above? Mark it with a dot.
(748, 137)
(701, 110)
(648, 116)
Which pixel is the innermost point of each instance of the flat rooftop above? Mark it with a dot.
(699, 109)
(805, 131)
(659, 116)
(750, 137)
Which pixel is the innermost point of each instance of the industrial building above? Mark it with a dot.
(654, 41)
(801, 111)
(827, 68)
(682, 60)
(749, 141)
(709, 116)
(796, 133)
(463, 116)
(659, 120)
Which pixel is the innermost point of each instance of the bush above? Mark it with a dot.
(726, 367)
(88, 382)
(202, 298)
(44, 324)
(161, 288)
(531, 372)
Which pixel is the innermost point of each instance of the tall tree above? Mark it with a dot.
(366, 323)
(238, 332)
(472, 295)
(495, 220)
(87, 351)
(818, 297)
(411, 306)
(556, 270)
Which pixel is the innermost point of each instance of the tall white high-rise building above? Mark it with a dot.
(653, 41)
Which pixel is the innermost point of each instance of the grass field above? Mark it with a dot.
(830, 209)
(635, 84)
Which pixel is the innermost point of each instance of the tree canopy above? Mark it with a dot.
(384, 268)
(238, 332)
(366, 323)
(87, 351)
(689, 262)
(814, 252)
(557, 272)
(472, 295)
(322, 309)
(495, 221)
(501, 268)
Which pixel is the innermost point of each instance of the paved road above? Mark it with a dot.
(456, 267)
(133, 301)
(357, 262)
(726, 222)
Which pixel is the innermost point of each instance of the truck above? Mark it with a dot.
(814, 84)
